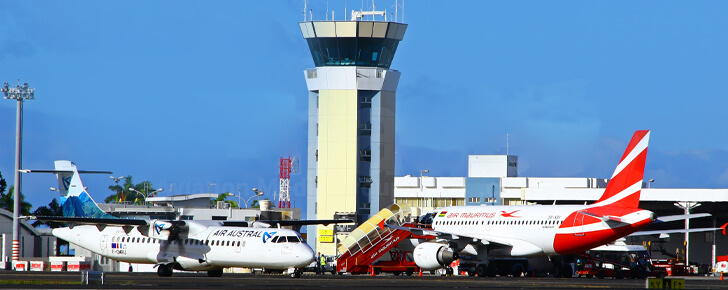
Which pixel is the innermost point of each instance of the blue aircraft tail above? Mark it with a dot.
(75, 200)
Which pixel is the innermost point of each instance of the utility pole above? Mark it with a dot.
(20, 94)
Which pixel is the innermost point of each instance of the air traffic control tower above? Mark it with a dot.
(350, 120)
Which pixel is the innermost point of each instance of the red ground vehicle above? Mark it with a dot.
(619, 261)
(673, 267)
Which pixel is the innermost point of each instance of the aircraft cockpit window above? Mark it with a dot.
(275, 239)
(293, 239)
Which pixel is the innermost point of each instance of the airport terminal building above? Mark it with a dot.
(494, 180)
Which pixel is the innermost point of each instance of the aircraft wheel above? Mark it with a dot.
(481, 270)
(556, 271)
(164, 270)
(214, 273)
(296, 274)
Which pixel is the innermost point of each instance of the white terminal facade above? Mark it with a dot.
(351, 94)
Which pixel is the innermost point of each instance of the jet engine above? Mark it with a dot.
(431, 256)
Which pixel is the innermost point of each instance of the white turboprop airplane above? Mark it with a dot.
(542, 230)
(192, 245)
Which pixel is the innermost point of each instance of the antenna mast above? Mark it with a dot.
(286, 166)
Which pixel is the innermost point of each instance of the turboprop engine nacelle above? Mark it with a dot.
(431, 256)
(163, 230)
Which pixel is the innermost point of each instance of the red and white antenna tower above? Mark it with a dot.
(286, 166)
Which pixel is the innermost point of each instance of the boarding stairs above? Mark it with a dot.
(372, 239)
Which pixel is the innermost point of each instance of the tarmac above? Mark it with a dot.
(122, 280)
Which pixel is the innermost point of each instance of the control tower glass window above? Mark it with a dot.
(352, 51)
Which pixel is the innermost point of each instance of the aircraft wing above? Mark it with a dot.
(90, 221)
(452, 236)
(136, 222)
(62, 171)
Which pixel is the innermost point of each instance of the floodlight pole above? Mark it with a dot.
(20, 94)
(687, 206)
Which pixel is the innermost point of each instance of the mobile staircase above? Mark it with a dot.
(372, 239)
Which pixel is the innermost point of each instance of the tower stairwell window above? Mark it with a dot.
(365, 129)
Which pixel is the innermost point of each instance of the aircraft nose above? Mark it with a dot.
(307, 256)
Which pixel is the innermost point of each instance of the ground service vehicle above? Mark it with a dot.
(618, 260)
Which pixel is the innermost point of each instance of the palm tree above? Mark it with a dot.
(223, 197)
(52, 209)
(122, 192)
(7, 202)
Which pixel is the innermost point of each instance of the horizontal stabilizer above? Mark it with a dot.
(682, 217)
(662, 232)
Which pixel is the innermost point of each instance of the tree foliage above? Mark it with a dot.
(7, 202)
(52, 209)
(123, 193)
(224, 197)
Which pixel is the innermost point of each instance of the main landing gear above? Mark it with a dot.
(214, 273)
(164, 270)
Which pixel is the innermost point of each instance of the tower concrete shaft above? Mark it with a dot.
(351, 121)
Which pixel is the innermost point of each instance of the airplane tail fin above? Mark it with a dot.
(75, 201)
(623, 190)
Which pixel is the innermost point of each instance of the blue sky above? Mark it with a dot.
(189, 93)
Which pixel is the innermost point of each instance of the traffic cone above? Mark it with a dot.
(372, 269)
(420, 275)
(721, 276)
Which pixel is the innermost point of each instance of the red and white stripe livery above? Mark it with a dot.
(527, 231)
